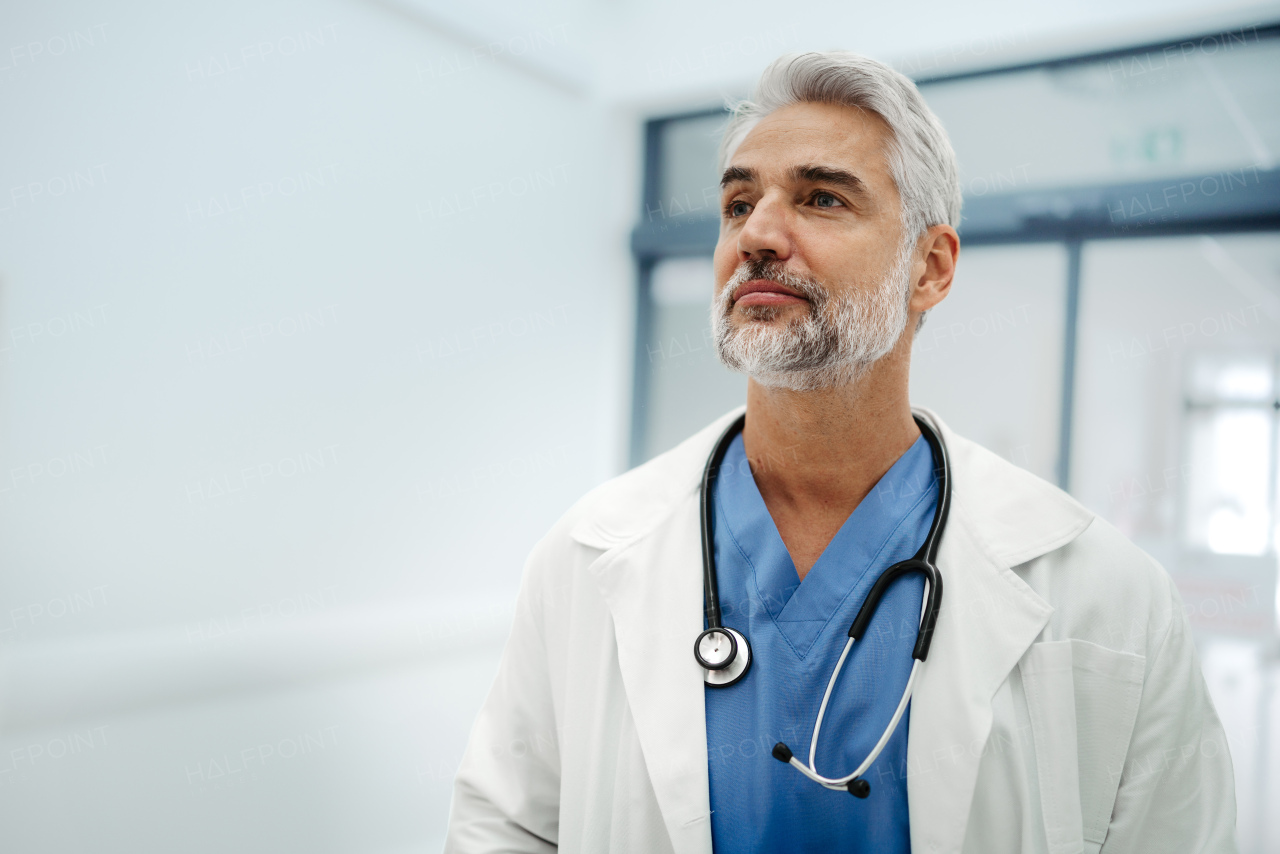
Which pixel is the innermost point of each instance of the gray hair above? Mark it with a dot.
(921, 160)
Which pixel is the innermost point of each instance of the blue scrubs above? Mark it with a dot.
(797, 631)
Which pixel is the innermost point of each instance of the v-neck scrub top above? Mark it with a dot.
(797, 631)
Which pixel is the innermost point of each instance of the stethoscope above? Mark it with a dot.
(726, 655)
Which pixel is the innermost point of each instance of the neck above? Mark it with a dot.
(822, 451)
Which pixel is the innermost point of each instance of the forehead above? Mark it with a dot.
(831, 134)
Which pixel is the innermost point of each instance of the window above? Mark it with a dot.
(1057, 159)
(1231, 440)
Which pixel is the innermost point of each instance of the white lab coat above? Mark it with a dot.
(1061, 709)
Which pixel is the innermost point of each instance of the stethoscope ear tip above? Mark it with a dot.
(859, 787)
(781, 752)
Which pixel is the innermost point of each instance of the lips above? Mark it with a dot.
(766, 292)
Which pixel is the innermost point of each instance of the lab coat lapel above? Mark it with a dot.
(653, 587)
(1001, 516)
(650, 576)
(989, 618)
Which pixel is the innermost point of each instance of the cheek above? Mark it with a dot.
(852, 260)
(726, 251)
(723, 263)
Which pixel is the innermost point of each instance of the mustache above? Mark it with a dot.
(776, 271)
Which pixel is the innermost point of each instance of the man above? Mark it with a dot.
(1060, 707)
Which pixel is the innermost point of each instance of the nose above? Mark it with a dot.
(766, 235)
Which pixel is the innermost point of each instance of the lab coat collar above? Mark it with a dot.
(647, 524)
(1017, 515)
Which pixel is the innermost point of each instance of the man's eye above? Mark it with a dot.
(826, 200)
(738, 208)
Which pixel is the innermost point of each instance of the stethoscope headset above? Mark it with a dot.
(726, 655)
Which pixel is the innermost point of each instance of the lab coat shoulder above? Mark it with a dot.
(636, 501)
(1105, 590)
(621, 508)
(1016, 514)
(607, 517)
(1101, 587)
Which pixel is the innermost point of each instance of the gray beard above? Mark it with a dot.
(833, 344)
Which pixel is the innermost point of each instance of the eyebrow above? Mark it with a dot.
(830, 175)
(808, 173)
(737, 174)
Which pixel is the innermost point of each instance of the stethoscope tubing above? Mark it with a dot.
(841, 783)
(710, 587)
(924, 561)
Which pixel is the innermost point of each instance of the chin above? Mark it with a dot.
(762, 313)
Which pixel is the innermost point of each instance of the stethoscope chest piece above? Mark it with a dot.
(724, 654)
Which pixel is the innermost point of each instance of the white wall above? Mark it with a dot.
(325, 335)
(321, 327)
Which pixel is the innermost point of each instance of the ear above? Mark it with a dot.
(937, 251)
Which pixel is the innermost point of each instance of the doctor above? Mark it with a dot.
(1060, 707)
